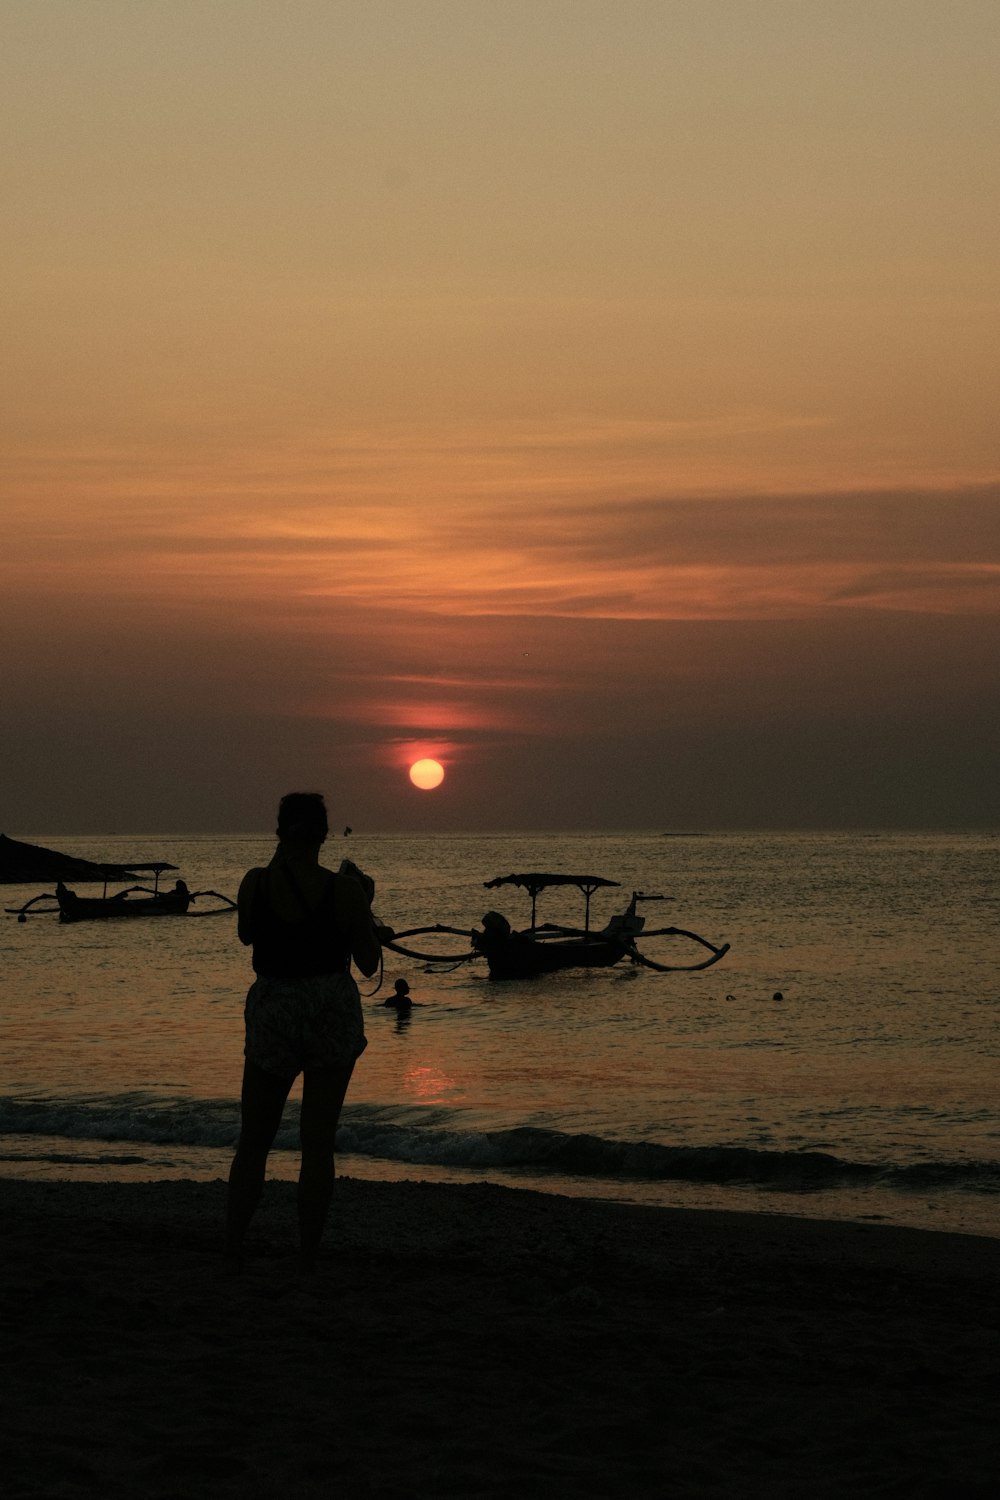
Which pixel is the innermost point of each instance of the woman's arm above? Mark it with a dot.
(245, 905)
(354, 918)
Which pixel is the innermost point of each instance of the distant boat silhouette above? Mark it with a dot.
(28, 864)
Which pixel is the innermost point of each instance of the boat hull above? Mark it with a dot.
(73, 908)
(523, 957)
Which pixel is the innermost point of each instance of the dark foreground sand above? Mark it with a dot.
(476, 1341)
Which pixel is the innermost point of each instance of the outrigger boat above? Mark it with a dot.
(547, 947)
(134, 901)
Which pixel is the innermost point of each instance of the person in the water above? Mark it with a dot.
(401, 1000)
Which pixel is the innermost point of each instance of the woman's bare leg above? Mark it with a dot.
(262, 1103)
(323, 1092)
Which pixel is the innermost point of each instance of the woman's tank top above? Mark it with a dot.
(300, 949)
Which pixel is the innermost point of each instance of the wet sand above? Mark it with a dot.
(482, 1342)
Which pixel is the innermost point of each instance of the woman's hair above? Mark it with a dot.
(302, 818)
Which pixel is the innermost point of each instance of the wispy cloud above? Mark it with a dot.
(603, 556)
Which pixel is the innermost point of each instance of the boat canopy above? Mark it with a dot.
(155, 868)
(534, 882)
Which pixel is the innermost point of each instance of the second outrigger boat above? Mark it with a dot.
(137, 901)
(134, 901)
(548, 947)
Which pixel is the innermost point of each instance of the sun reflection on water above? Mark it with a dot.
(431, 1085)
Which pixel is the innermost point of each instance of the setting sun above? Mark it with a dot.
(427, 774)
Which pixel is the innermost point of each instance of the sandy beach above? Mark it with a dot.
(479, 1341)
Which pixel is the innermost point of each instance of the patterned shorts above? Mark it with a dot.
(295, 1024)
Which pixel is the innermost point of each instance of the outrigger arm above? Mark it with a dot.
(396, 946)
(22, 913)
(716, 953)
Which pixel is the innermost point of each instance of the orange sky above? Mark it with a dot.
(599, 397)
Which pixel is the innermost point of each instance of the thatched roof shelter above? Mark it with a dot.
(23, 864)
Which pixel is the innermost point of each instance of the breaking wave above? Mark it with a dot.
(136, 1120)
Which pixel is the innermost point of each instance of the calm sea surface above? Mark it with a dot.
(868, 1091)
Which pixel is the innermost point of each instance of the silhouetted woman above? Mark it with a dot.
(303, 1013)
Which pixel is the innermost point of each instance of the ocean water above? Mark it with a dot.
(869, 1090)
